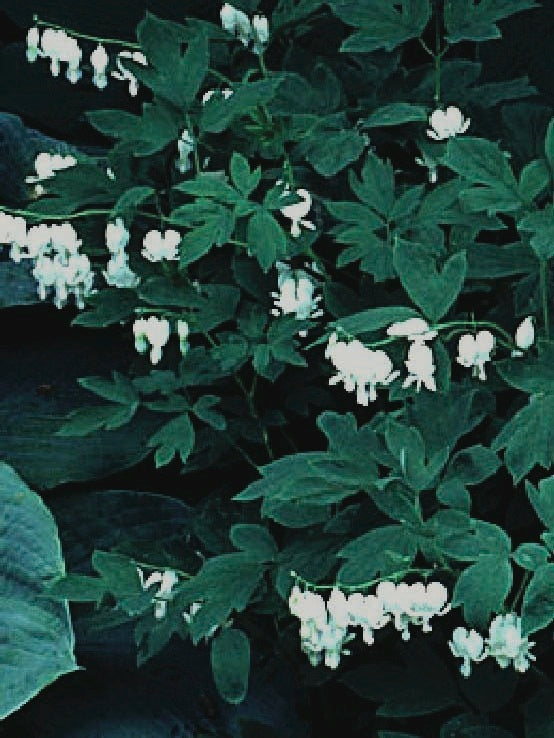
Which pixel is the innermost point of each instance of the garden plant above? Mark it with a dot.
(320, 246)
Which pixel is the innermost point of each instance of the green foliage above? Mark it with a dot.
(477, 22)
(230, 657)
(37, 642)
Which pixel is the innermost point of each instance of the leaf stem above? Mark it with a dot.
(543, 276)
(86, 37)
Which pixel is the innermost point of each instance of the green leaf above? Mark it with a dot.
(17, 284)
(37, 638)
(381, 25)
(433, 291)
(244, 180)
(77, 588)
(482, 588)
(210, 184)
(175, 77)
(537, 610)
(218, 113)
(395, 114)
(330, 150)
(381, 551)
(533, 179)
(541, 224)
(211, 224)
(223, 584)
(466, 20)
(203, 408)
(120, 389)
(473, 464)
(481, 538)
(176, 436)
(534, 375)
(542, 500)
(128, 202)
(255, 540)
(528, 437)
(549, 145)
(374, 319)
(86, 420)
(106, 307)
(406, 690)
(266, 239)
(230, 659)
(530, 556)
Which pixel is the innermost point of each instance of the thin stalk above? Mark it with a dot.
(85, 36)
(543, 276)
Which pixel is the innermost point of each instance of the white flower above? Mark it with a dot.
(124, 74)
(46, 166)
(118, 272)
(307, 606)
(525, 336)
(447, 123)
(467, 645)
(151, 331)
(185, 146)
(426, 602)
(226, 93)
(167, 580)
(368, 612)
(236, 22)
(117, 236)
(260, 33)
(296, 294)
(33, 44)
(358, 366)
(99, 60)
(414, 329)
(52, 43)
(475, 351)
(158, 246)
(505, 642)
(183, 332)
(420, 367)
(13, 231)
(297, 212)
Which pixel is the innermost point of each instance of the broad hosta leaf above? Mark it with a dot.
(37, 638)
(432, 290)
(537, 610)
(381, 25)
(528, 437)
(482, 588)
(230, 658)
(464, 19)
(406, 690)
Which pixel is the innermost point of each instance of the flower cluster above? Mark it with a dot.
(59, 266)
(447, 123)
(118, 272)
(57, 46)
(154, 333)
(358, 366)
(505, 643)
(236, 22)
(296, 293)
(325, 626)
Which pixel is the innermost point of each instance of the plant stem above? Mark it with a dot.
(543, 276)
(86, 37)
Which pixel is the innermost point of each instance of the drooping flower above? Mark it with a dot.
(296, 294)
(166, 580)
(260, 33)
(524, 336)
(183, 332)
(414, 329)
(447, 123)
(33, 44)
(297, 212)
(99, 61)
(467, 645)
(46, 166)
(152, 332)
(185, 146)
(420, 367)
(117, 236)
(506, 644)
(158, 246)
(358, 366)
(236, 22)
(124, 74)
(475, 351)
